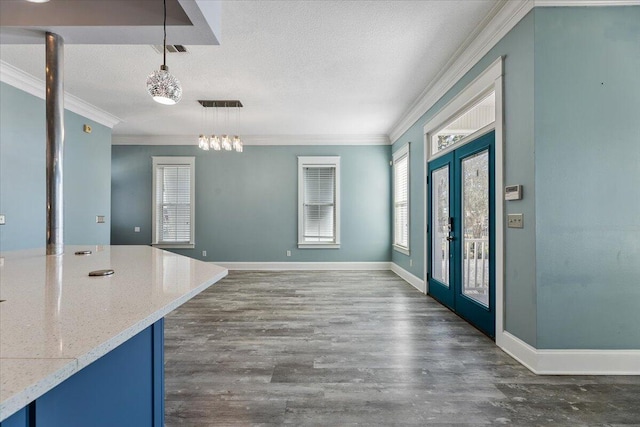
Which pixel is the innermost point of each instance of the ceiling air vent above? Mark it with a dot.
(171, 48)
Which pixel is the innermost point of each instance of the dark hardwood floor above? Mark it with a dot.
(359, 348)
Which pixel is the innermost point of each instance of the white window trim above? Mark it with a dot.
(480, 87)
(318, 161)
(490, 79)
(173, 160)
(397, 155)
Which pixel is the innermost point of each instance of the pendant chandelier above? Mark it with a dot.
(219, 141)
(162, 85)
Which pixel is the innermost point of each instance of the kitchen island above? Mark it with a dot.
(88, 351)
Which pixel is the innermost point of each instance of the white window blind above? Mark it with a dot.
(173, 201)
(318, 216)
(401, 199)
(319, 204)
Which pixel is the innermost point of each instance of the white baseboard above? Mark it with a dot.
(309, 266)
(414, 281)
(571, 361)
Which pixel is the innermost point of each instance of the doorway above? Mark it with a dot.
(461, 204)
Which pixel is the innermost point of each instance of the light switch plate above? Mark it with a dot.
(136, 229)
(100, 219)
(2, 220)
(515, 220)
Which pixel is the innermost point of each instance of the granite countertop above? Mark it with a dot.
(56, 319)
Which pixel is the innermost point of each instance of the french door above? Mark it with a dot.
(462, 231)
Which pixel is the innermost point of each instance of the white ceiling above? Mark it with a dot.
(299, 67)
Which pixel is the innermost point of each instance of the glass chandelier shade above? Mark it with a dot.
(215, 142)
(237, 144)
(161, 84)
(203, 142)
(226, 143)
(164, 87)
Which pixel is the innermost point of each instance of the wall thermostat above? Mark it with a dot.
(513, 192)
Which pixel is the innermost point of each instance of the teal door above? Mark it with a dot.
(461, 232)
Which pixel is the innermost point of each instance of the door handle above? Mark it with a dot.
(450, 238)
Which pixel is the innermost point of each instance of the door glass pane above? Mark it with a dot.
(475, 226)
(440, 214)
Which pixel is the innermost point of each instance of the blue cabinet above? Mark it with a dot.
(20, 418)
(123, 388)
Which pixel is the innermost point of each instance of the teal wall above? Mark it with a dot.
(520, 287)
(587, 134)
(87, 171)
(572, 139)
(246, 204)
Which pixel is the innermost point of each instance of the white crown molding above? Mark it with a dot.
(19, 79)
(317, 139)
(26, 82)
(478, 44)
(256, 140)
(304, 266)
(571, 361)
(83, 108)
(594, 3)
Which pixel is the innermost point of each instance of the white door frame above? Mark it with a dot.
(490, 79)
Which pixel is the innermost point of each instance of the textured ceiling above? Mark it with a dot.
(299, 68)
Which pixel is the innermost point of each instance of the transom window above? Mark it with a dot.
(479, 115)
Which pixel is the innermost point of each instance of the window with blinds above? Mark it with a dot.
(173, 207)
(401, 199)
(318, 195)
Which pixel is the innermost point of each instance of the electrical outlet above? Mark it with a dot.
(2, 220)
(1, 261)
(515, 221)
(288, 253)
(204, 253)
(410, 263)
(136, 229)
(100, 219)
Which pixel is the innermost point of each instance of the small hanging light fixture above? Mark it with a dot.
(215, 139)
(237, 142)
(203, 141)
(223, 142)
(162, 85)
(226, 141)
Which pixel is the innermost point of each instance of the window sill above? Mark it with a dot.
(318, 245)
(401, 250)
(173, 245)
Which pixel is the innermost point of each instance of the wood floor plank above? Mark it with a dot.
(359, 348)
